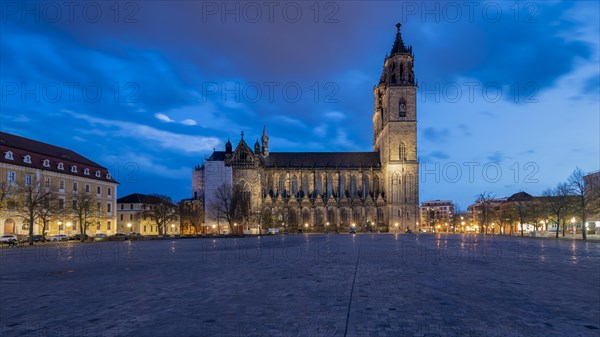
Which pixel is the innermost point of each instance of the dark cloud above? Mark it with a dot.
(436, 135)
(496, 157)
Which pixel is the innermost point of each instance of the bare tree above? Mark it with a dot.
(191, 215)
(30, 199)
(522, 213)
(505, 216)
(486, 210)
(47, 212)
(162, 211)
(230, 205)
(556, 201)
(7, 192)
(85, 208)
(584, 193)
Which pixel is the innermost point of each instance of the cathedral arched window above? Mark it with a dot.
(319, 185)
(365, 185)
(282, 186)
(402, 151)
(376, 185)
(305, 185)
(402, 108)
(329, 187)
(331, 216)
(305, 216)
(379, 215)
(344, 216)
(342, 185)
(294, 185)
(352, 186)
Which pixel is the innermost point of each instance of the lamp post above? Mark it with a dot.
(173, 228)
(69, 227)
(129, 226)
(573, 226)
(59, 225)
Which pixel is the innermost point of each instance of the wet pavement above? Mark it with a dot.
(304, 285)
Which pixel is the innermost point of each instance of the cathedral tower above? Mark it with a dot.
(395, 134)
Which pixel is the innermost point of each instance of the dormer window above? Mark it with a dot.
(60, 166)
(108, 176)
(46, 163)
(8, 155)
(86, 171)
(27, 159)
(98, 174)
(74, 168)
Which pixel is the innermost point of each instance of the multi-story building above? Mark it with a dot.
(436, 216)
(133, 215)
(320, 191)
(64, 177)
(592, 180)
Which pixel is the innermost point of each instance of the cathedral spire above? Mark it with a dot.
(265, 142)
(399, 46)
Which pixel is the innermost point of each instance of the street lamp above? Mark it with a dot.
(129, 226)
(69, 227)
(172, 228)
(59, 225)
(573, 225)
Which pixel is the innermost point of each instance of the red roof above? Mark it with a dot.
(39, 152)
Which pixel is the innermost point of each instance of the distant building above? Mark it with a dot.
(324, 191)
(133, 215)
(436, 215)
(63, 174)
(593, 181)
(476, 215)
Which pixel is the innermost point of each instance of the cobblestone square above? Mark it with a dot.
(304, 285)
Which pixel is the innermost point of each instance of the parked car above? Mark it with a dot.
(38, 238)
(78, 237)
(100, 237)
(352, 230)
(6, 238)
(60, 237)
(120, 234)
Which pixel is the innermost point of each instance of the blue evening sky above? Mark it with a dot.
(508, 99)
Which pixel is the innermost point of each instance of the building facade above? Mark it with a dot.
(133, 215)
(321, 191)
(436, 216)
(63, 176)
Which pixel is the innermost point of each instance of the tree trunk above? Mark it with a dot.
(557, 226)
(31, 220)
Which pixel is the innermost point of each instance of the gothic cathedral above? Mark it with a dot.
(329, 191)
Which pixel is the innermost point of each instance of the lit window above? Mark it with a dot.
(86, 171)
(61, 166)
(46, 163)
(10, 177)
(27, 159)
(8, 155)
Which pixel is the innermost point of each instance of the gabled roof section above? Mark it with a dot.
(38, 152)
(138, 198)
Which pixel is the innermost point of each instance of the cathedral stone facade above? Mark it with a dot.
(328, 191)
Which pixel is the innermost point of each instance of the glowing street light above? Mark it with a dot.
(69, 227)
(573, 225)
(129, 226)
